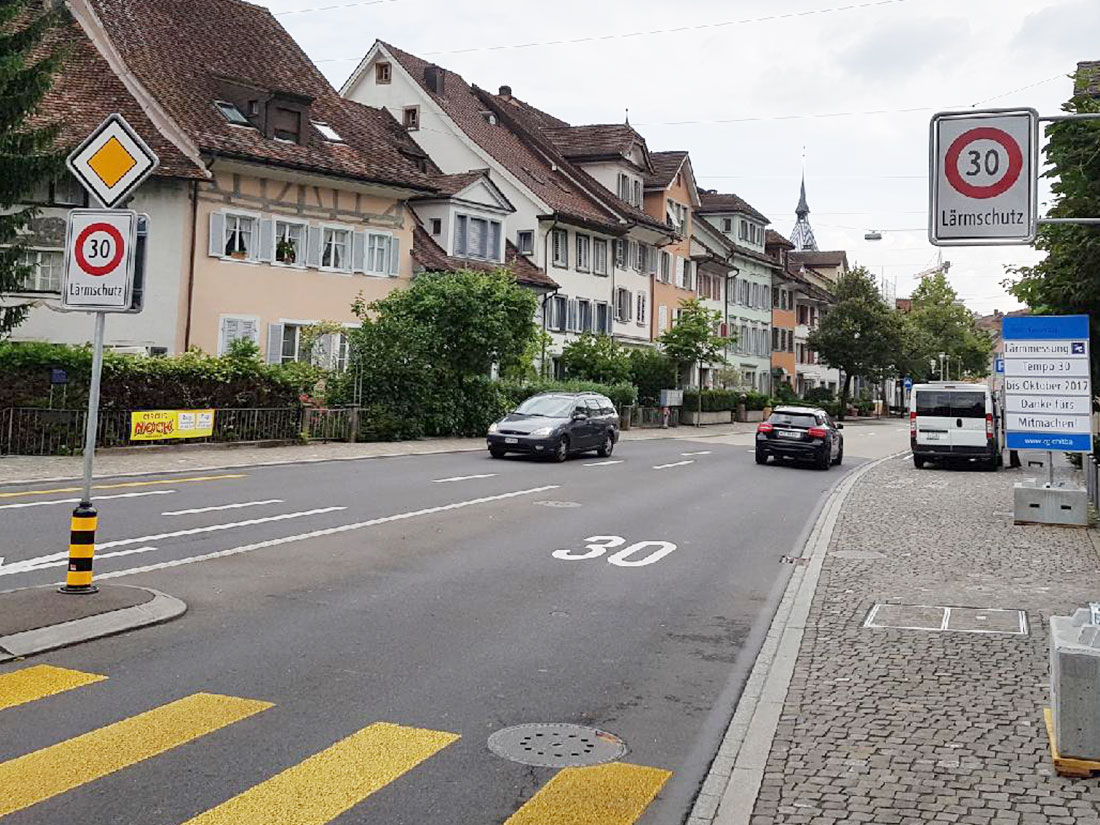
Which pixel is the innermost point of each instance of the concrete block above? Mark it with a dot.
(1075, 684)
(1061, 504)
(1034, 459)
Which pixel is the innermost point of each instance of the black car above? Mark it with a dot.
(800, 433)
(557, 424)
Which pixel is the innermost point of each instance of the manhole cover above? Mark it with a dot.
(559, 503)
(556, 745)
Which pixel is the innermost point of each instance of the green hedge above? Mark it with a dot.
(620, 394)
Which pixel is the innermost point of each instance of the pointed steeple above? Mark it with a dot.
(803, 208)
(802, 236)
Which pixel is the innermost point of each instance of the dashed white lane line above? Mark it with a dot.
(700, 452)
(604, 463)
(222, 507)
(359, 525)
(462, 478)
(77, 500)
(673, 464)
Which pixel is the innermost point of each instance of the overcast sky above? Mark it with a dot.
(744, 86)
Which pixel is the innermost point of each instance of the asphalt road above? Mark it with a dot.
(446, 593)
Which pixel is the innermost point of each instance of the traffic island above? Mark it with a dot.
(36, 619)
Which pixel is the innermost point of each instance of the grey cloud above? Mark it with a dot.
(900, 50)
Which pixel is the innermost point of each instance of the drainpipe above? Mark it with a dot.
(546, 298)
(191, 263)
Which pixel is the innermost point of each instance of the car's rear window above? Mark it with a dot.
(804, 420)
(951, 404)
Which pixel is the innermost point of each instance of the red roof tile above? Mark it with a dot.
(713, 203)
(432, 258)
(594, 142)
(665, 167)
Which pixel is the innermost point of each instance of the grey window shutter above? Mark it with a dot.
(494, 241)
(395, 256)
(460, 236)
(249, 330)
(358, 251)
(275, 343)
(313, 247)
(266, 251)
(217, 234)
(229, 332)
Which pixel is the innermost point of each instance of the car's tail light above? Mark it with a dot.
(818, 432)
(912, 425)
(764, 427)
(989, 426)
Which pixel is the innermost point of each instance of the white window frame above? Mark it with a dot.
(388, 243)
(640, 318)
(252, 255)
(599, 259)
(223, 345)
(622, 253)
(584, 262)
(349, 246)
(563, 261)
(36, 265)
(303, 242)
(528, 249)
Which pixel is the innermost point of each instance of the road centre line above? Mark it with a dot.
(219, 507)
(673, 464)
(699, 452)
(77, 501)
(122, 484)
(462, 478)
(604, 463)
(329, 531)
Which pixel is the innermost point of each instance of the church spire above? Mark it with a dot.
(802, 236)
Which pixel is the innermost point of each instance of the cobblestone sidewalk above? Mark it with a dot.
(907, 726)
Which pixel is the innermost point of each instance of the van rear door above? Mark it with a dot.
(934, 422)
(968, 411)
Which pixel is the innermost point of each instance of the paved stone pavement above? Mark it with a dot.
(908, 726)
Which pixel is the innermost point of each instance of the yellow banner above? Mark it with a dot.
(154, 425)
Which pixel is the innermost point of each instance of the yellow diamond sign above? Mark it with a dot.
(113, 161)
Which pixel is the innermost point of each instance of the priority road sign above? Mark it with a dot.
(982, 187)
(100, 248)
(112, 161)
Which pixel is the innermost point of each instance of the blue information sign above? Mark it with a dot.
(908, 383)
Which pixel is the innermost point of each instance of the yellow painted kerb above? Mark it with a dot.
(31, 683)
(161, 482)
(612, 794)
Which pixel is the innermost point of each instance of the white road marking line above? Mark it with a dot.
(462, 478)
(77, 500)
(700, 452)
(344, 528)
(46, 562)
(222, 507)
(57, 559)
(605, 463)
(673, 464)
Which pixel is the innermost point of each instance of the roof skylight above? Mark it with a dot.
(329, 134)
(231, 113)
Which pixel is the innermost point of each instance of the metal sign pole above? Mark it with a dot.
(93, 409)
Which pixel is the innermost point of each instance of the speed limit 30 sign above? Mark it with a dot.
(100, 249)
(983, 177)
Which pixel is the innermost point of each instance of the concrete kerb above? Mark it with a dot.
(728, 794)
(161, 608)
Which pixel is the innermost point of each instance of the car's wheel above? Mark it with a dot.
(496, 452)
(839, 455)
(561, 452)
(918, 462)
(608, 446)
(825, 460)
(761, 457)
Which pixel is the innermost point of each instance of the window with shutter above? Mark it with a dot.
(274, 343)
(494, 241)
(460, 236)
(585, 307)
(620, 253)
(313, 247)
(641, 308)
(662, 318)
(584, 253)
(560, 245)
(638, 193)
(599, 256)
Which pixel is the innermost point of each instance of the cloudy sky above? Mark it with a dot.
(746, 87)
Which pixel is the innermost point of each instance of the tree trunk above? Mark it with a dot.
(699, 402)
(845, 390)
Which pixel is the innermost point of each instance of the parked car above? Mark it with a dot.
(954, 422)
(557, 424)
(801, 434)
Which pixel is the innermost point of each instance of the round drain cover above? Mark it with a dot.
(556, 745)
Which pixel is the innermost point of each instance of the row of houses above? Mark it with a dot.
(279, 200)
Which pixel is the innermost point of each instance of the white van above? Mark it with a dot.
(954, 422)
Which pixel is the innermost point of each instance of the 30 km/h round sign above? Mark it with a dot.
(984, 163)
(99, 249)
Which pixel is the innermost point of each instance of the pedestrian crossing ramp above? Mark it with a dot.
(314, 791)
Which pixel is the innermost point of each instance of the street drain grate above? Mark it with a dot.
(556, 745)
(947, 619)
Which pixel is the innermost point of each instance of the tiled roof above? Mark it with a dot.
(545, 120)
(713, 202)
(451, 185)
(432, 258)
(773, 238)
(805, 285)
(813, 258)
(593, 142)
(183, 55)
(469, 111)
(85, 90)
(665, 167)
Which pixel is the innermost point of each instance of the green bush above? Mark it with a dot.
(819, 395)
(651, 371)
(756, 400)
(713, 400)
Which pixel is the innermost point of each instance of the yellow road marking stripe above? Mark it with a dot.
(121, 484)
(31, 683)
(328, 783)
(612, 794)
(30, 779)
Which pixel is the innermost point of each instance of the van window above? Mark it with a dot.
(951, 404)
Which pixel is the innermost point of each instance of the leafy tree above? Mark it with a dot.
(598, 358)
(692, 340)
(941, 322)
(860, 335)
(651, 371)
(28, 156)
(1067, 280)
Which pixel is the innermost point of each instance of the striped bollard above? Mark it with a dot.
(78, 579)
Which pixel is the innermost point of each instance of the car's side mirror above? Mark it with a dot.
(579, 416)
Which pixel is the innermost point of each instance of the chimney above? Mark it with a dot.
(434, 79)
(1087, 81)
(505, 92)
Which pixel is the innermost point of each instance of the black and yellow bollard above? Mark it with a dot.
(78, 579)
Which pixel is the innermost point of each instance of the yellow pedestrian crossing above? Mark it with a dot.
(31, 683)
(612, 794)
(30, 779)
(326, 784)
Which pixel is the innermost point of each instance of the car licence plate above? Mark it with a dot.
(931, 436)
(789, 434)
(511, 441)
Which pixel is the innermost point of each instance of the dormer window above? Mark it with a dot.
(490, 118)
(727, 224)
(327, 132)
(231, 113)
(287, 124)
(382, 73)
(412, 118)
